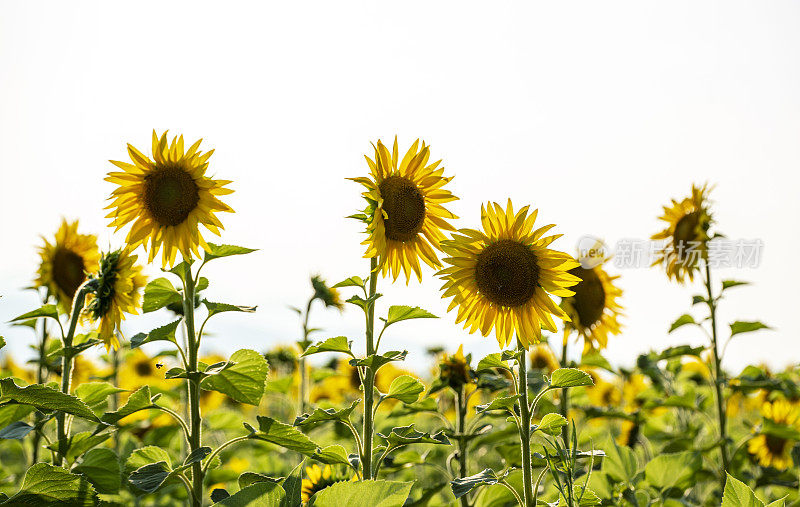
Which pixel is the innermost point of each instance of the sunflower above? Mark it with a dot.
(542, 358)
(318, 479)
(328, 295)
(167, 198)
(632, 388)
(774, 449)
(116, 291)
(455, 371)
(405, 212)
(9, 368)
(502, 278)
(66, 261)
(594, 309)
(628, 433)
(604, 394)
(138, 369)
(686, 233)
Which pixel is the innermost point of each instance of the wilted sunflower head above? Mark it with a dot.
(116, 291)
(455, 371)
(593, 309)
(543, 359)
(773, 447)
(328, 295)
(66, 261)
(686, 234)
(316, 480)
(405, 215)
(167, 198)
(503, 277)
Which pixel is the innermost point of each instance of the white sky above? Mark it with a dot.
(594, 112)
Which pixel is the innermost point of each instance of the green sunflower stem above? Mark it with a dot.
(525, 426)
(718, 378)
(62, 420)
(41, 378)
(369, 377)
(564, 405)
(195, 421)
(461, 413)
(304, 403)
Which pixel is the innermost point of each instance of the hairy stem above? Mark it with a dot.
(718, 378)
(195, 421)
(564, 405)
(461, 414)
(369, 378)
(525, 426)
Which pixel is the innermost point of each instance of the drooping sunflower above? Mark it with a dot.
(593, 310)
(167, 198)
(686, 234)
(502, 278)
(115, 292)
(66, 261)
(771, 447)
(328, 295)
(542, 358)
(455, 370)
(406, 215)
(317, 479)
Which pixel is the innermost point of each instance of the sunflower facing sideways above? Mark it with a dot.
(66, 261)
(406, 215)
(593, 310)
(503, 278)
(686, 235)
(115, 292)
(773, 447)
(167, 198)
(318, 479)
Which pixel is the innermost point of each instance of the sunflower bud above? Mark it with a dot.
(327, 295)
(455, 371)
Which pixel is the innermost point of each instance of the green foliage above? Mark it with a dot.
(372, 493)
(242, 379)
(462, 486)
(163, 333)
(47, 485)
(405, 388)
(217, 251)
(101, 468)
(50, 311)
(160, 293)
(570, 377)
(673, 470)
(335, 344)
(45, 398)
(739, 327)
(400, 313)
(681, 321)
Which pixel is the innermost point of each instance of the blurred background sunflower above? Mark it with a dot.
(773, 446)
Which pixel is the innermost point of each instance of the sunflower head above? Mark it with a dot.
(405, 216)
(116, 291)
(66, 261)
(455, 371)
(328, 295)
(686, 234)
(167, 198)
(282, 358)
(317, 479)
(772, 447)
(543, 359)
(502, 278)
(628, 433)
(604, 394)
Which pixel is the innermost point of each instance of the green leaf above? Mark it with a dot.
(197, 455)
(398, 313)
(678, 351)
(551, 424)
(462, 486)
(424, 405)
(620, 463)
(747, 327)
(95, 394)
(593, 357)
(696, 299)
(217, 251)
(335, 344)
(258, 494)
(325, 414)
(270, 430)
(372, 493)
(332, 455)
(13, 413)
(375, 361)
(673, 470)
(499, 403)
(682, 321)
(353, 281)
(293, 487)
(47, 485)
(163, 333)
(739, 494)
(15, 431)
(2, 342)
(45, 311)
(146, 456)
(243, 380)
(405, 388)
(727, 284)
(215, 308)
(491, 362)
(586, 497)
(101, 468)
(570, 377)
(150, 477)
(141, 399)
(45, 398)
(158, 294)
(404, 435)
(79, 443)
(250, 478)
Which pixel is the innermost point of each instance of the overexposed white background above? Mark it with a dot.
(595, 112)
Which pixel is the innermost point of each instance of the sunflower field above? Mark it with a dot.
(92, 419)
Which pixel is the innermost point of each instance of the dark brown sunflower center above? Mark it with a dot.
(170, 194)
(68, 271)
(686, 232)
(405, 208)
(776, 445)
(589, 300)
(507, 273)
(539, 362)
(143, 369)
